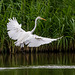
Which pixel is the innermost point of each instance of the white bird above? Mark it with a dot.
(22, 37)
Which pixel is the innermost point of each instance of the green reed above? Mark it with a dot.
(60, 22)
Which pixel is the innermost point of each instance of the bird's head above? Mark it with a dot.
(41, 18)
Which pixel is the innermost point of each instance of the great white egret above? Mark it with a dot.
(22, 37)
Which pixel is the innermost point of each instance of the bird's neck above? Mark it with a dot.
(34, 26)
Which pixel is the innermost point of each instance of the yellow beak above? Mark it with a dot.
(43, 19)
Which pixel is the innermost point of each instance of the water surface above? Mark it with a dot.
(38, 64)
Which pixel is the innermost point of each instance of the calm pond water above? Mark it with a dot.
(38, 64)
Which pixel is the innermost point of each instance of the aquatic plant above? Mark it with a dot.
(60, 22)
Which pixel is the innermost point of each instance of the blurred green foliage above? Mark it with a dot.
(60, 16)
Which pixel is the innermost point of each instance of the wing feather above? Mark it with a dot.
(14, 29)
(36, 41)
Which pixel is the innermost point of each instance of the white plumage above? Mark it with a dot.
(22, 37)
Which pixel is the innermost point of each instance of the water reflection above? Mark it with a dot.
(37, 59)
(39, 67)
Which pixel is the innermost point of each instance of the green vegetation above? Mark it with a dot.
(60, 16)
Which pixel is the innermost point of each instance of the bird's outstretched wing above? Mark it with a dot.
(36, 41)
(14, 29)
